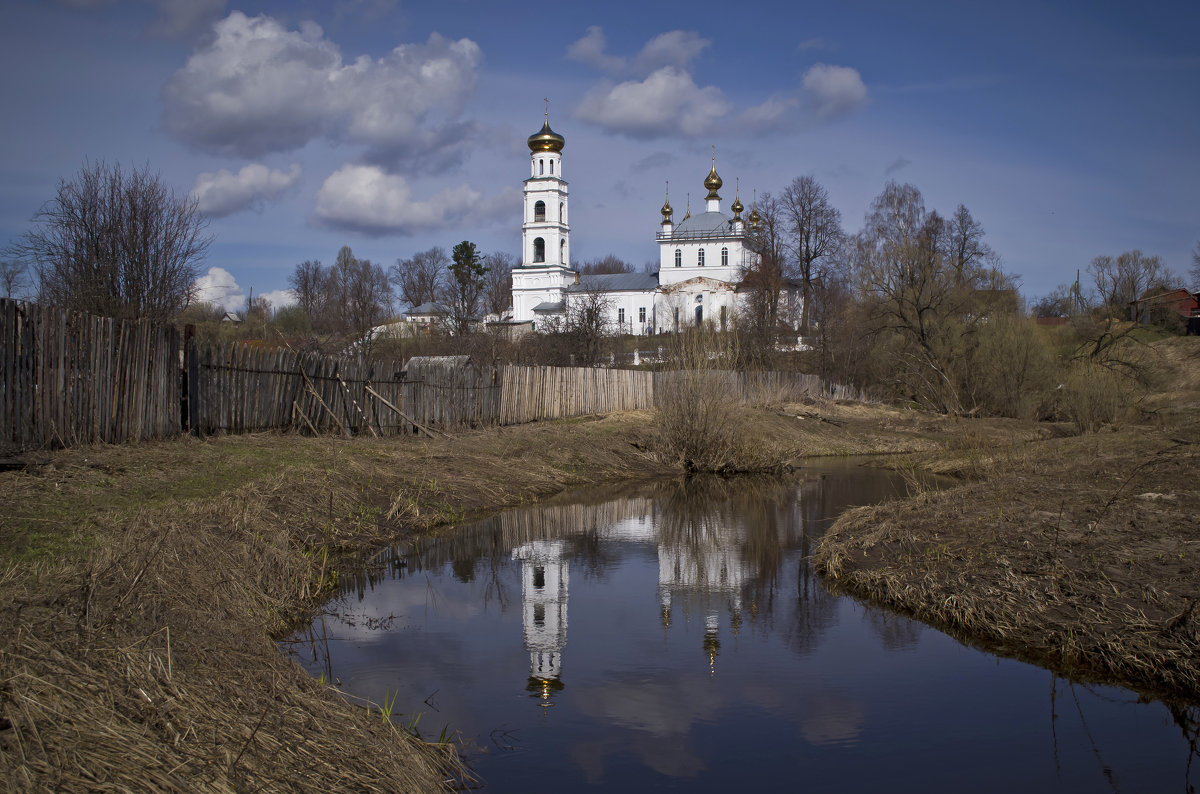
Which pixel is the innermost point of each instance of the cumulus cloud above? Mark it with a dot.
(366, 198)
(278, 298)
(676, 48)
(833, 91)
(218, 286)
(667, 102)
(258, 87)
(224, 192)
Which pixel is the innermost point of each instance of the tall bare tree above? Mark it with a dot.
(310, 282)
(587, 322)
(497, 286)
(117, 243)
(764, 275)
(814, 230)
(966, 250)
(367, 295)
(1125, 278)
(419, 278)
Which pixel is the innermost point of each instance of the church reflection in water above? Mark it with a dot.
(719, 553)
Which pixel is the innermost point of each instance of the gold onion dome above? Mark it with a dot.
(737, 206)
(546, 140)
(713, 182)
(754, 217)
(666, 209)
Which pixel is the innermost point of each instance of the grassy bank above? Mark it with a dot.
(147, 584)
(1081, 552)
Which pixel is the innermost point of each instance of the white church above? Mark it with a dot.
(701, 259)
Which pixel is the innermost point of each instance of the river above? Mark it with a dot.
(673, 637)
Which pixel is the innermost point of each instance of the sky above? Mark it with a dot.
(1069, 130)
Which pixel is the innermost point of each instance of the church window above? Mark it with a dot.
(562, 212)
(562, 251)
(541, 167)
(642, 315)
(700, 258)
(676, 318)
(678, 258)
(539, 250)
(724, 257)
(552, 167)
(539, 614)
(621, 318)
(539, 577)
(699, 315)
(539, 211)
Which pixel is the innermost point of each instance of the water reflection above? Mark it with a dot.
(676, 635)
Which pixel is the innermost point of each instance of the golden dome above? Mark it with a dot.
(713, 182)
(737, 208)
(666, 209)
(754, 217)
(546, 140)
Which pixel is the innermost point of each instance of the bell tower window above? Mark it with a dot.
(724, 257)
(700, 258)
(678, 258)
(539, 249)
(541, 167)
(562, 251)
(539, 211)
(552, 167)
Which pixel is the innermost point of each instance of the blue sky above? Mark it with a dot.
(1069, 130)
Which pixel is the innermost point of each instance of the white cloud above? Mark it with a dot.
(812, 44)
(218, 286)
(590, 50)
(278, 298)
(257, 87)
(676, 48)
(666, 102)
(833, 91)
(366, 198)
(224, 192)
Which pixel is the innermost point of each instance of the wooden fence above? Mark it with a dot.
(68, 378)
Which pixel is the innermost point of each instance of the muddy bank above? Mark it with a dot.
(1080, 553)
(146, 585)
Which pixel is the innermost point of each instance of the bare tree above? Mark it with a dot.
(1122, 280)
(1195, 271)
(966, 251)
(464, 287)
(117, 243)
(763, 276)
(12, 277)
(367, 295)
(419, 279)
(497, 287)
(587, 322)
(310, 282)
(814, 229)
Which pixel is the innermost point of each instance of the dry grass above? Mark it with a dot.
(146, 586)
(1079, 552)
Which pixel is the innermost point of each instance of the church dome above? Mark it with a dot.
(713, 182)
(737, 208)
(546, 140)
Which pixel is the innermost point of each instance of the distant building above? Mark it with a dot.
(701, 259)
(1172, 305)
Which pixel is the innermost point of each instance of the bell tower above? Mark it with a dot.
(545, 270)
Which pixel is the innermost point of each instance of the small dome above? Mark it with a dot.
(666, 209)
(737, 208)
(755, 217)
(546, 140)
(713, 182)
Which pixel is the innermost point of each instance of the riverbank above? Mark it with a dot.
(1080, 553)
(146, 586)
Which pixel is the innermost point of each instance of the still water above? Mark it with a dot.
(674, 637)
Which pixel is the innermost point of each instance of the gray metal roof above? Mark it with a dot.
(706, 222)
(617, 282)
(547, 306)
(428, 307)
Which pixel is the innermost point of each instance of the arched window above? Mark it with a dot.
(700, 258)
(539, 250)
(539, 211)
(551, 166)
(699, 315)
(678, 258)
(541, 167)
(724, 257)
(562, 251)
(562, 212)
